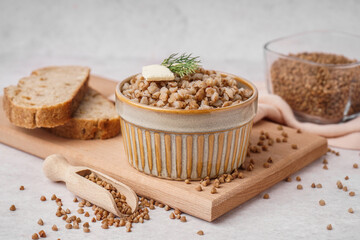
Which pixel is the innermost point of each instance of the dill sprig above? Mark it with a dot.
(182, 65)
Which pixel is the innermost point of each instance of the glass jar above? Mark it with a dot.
(317, 73)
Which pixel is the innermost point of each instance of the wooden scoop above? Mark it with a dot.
(56, 168)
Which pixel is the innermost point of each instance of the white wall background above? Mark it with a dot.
(116, 38)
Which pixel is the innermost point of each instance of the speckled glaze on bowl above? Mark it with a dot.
(186, 144)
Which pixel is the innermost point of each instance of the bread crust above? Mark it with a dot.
(46, 116)
(86, 129)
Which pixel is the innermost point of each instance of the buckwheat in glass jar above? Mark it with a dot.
(317, 74)
(205, 89)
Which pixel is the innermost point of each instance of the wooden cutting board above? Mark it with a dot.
(108, 156)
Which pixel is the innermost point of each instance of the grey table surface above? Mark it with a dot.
(115, 39)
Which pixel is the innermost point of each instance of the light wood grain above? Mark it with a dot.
(108, 156)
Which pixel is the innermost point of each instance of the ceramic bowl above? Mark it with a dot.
(186, 144)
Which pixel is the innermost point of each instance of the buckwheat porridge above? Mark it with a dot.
(203, 89)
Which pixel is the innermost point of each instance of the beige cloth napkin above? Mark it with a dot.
(343, 135)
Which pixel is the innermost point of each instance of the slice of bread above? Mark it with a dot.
(96, 118)
(47, 98)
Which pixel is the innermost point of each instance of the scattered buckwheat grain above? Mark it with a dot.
(356, 165)
(40, 222)
(329, 227)
(35, 236)
(43, 198)
(299, 187)
(42, 234)
(339, 185)
(266, 196)
(200, 232)
(352, 193)
(22, 188)
(76, 225)
(12, 208)
(322, 202)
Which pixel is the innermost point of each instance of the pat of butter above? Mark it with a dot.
(157, 73)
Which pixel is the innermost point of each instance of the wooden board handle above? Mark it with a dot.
(55, 167)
